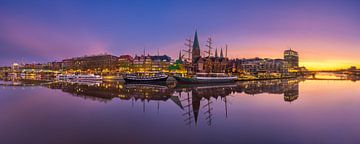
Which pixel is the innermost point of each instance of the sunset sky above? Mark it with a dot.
(326, 33)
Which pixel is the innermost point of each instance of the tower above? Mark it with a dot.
(216, 53)
(292, 57)
(221, 54)
(180, 56)
(195, 49)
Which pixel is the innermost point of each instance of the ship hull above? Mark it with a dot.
(203, 81)
(163, 79)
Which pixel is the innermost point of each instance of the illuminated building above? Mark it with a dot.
(16, 66)
(4, 71)
(259, 65)
(209, 64)
(125, 63)
(95, 63)
(151, 63)
(292, 58)
(44, 66)
(214, 64)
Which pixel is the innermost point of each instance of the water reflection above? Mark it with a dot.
(243, 112)
(193, 100)
(156, 92)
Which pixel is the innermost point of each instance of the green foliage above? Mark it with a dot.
(175, 66)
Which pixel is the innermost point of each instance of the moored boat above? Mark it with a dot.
(202, 78)
(65, 76)
(72, 77)
(89, 77)
(146, 77)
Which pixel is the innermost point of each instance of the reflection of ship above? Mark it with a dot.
(145, 77)
(207, 78)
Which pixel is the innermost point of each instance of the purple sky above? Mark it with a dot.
(326, 33)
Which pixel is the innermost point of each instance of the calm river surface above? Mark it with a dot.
(275, 111)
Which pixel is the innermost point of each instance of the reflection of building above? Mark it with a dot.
(291, 92)
(289, 88)
(199, 97)
(292, 58)
(108, 91)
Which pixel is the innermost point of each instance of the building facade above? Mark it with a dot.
(292, 58)
(256, 66)
(97, 63)
(125, 63)
(151, 63)
(209, 64)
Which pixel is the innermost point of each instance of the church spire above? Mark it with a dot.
(216, 53)
(180, 56)
(196, 44)
(195, 48)
(221, 54)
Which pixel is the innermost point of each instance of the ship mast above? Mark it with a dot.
(188, 44)
(226, 49)
(209, 46)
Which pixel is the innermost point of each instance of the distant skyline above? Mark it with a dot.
(325, 33)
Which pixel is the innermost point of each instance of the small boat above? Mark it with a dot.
(146, 77)
(203, 78)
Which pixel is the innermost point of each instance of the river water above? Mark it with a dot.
(274, 111)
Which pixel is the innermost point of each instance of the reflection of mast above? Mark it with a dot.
(144, 106)
(132, 102)
(226, 110)
(208, 112)
(187, 107)
(158, 107)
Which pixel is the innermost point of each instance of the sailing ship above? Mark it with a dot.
(146, 77)
(201, 78)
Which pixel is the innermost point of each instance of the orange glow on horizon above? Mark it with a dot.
(332, 65)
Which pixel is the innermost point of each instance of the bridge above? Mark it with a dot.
(331, 75)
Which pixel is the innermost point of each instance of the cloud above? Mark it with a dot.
(23, 37)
